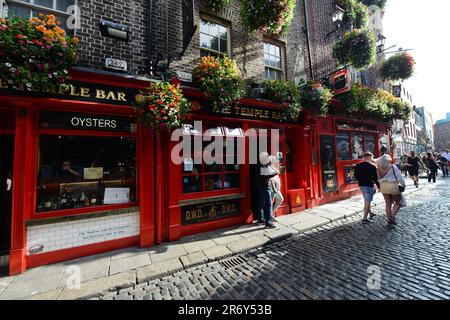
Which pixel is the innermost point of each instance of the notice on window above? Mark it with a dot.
(93, 173)
(116, 195)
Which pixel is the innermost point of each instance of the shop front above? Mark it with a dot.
(206, 193)
(72, 177)
(341, 145)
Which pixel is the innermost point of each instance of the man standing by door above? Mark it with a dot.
(264, 174)
(367, 177)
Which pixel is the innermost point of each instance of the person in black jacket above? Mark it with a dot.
(264, 173)
(367, 177)
(433, 167)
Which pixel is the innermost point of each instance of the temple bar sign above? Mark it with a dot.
(80, 91)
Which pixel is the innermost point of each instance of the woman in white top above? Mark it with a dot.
(390, 179)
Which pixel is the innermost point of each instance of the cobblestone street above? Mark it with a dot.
(331, 262)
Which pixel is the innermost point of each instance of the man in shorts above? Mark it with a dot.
(367, 177)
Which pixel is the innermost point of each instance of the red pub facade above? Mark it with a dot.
(85, 178)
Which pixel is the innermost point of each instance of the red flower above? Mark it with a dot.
(37, 42)
(19, 36)
(172, 105)
(160, 102)
(177, 98)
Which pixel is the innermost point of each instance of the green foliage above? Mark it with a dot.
(355, 12)
(220, 79)
(272, 17)
(216, 5)
(356, 48)
(35, 52)
(398, 67)
(379, 3)
(285, 92)
(369, 103)
(162, 105)
(315, 98)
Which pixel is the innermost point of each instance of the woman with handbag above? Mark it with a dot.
(392, 185)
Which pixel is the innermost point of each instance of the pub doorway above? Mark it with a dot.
(6, 185)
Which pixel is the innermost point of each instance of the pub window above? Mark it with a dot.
(85, 170)
(212, 176)
(357, 146)
(214, 39)
(369, 143)
(343, 145)
(273, 62)
(32, 8)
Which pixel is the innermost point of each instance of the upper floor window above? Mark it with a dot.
(214, 39)
(32, 8)
(273, 62)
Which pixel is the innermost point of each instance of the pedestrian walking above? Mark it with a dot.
(413, 163)
(264, 174)
(404, 158)
(432, 167)
(367, 177)
(392, 185)
(275, 185)
(443, 164)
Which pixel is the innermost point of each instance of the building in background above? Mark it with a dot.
(425, 136)
(442, 134)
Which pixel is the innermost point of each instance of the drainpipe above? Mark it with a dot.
(150, 37)
(308, 40)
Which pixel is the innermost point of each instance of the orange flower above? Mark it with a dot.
(41, 28)
(75, 41)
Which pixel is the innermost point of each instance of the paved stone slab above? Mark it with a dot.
(95, 287)
(51, 295)
(281, 234)
(90, 269)
(198, 245)
(167, 251)
(309, 224)
(217, 252)
(248, 244)
(222, 240)
(158, 269)
(130, 263)
(193, 259)
(26, 288)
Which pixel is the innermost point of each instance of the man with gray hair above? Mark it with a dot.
(264, 174)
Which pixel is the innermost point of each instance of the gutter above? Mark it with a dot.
(308, 40)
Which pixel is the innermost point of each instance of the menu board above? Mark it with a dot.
(328, 157)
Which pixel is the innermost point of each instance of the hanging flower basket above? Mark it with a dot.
(379, 3)
(35, 52)
(272, 17)
(162, 106)
(220, 80)
(315, 97)
(398, 67)
(356, 48)
(355, 12)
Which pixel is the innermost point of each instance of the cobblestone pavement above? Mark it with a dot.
(331, 262)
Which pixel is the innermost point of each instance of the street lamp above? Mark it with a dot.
(337, 16)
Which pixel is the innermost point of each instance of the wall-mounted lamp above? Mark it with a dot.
(337, 16)
(114, 30)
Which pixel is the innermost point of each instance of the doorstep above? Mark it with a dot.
(133, 266)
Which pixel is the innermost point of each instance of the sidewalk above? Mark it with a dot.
(124, 268)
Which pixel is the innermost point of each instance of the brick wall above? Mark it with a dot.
(94, 48)
(247, 49)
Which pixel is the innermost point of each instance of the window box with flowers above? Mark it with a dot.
(272, 17)
(315, 98)
(35, 52)
(162, 106)
(285, 92)
(220, 79)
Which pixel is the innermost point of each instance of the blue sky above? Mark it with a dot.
(425, 27)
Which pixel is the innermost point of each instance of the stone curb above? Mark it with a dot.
(154, 271)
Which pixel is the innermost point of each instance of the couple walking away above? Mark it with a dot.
(269, 187)
(387, 178)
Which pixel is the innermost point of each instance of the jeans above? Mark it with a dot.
(432, 175)
(444, 169)
(265, 204)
